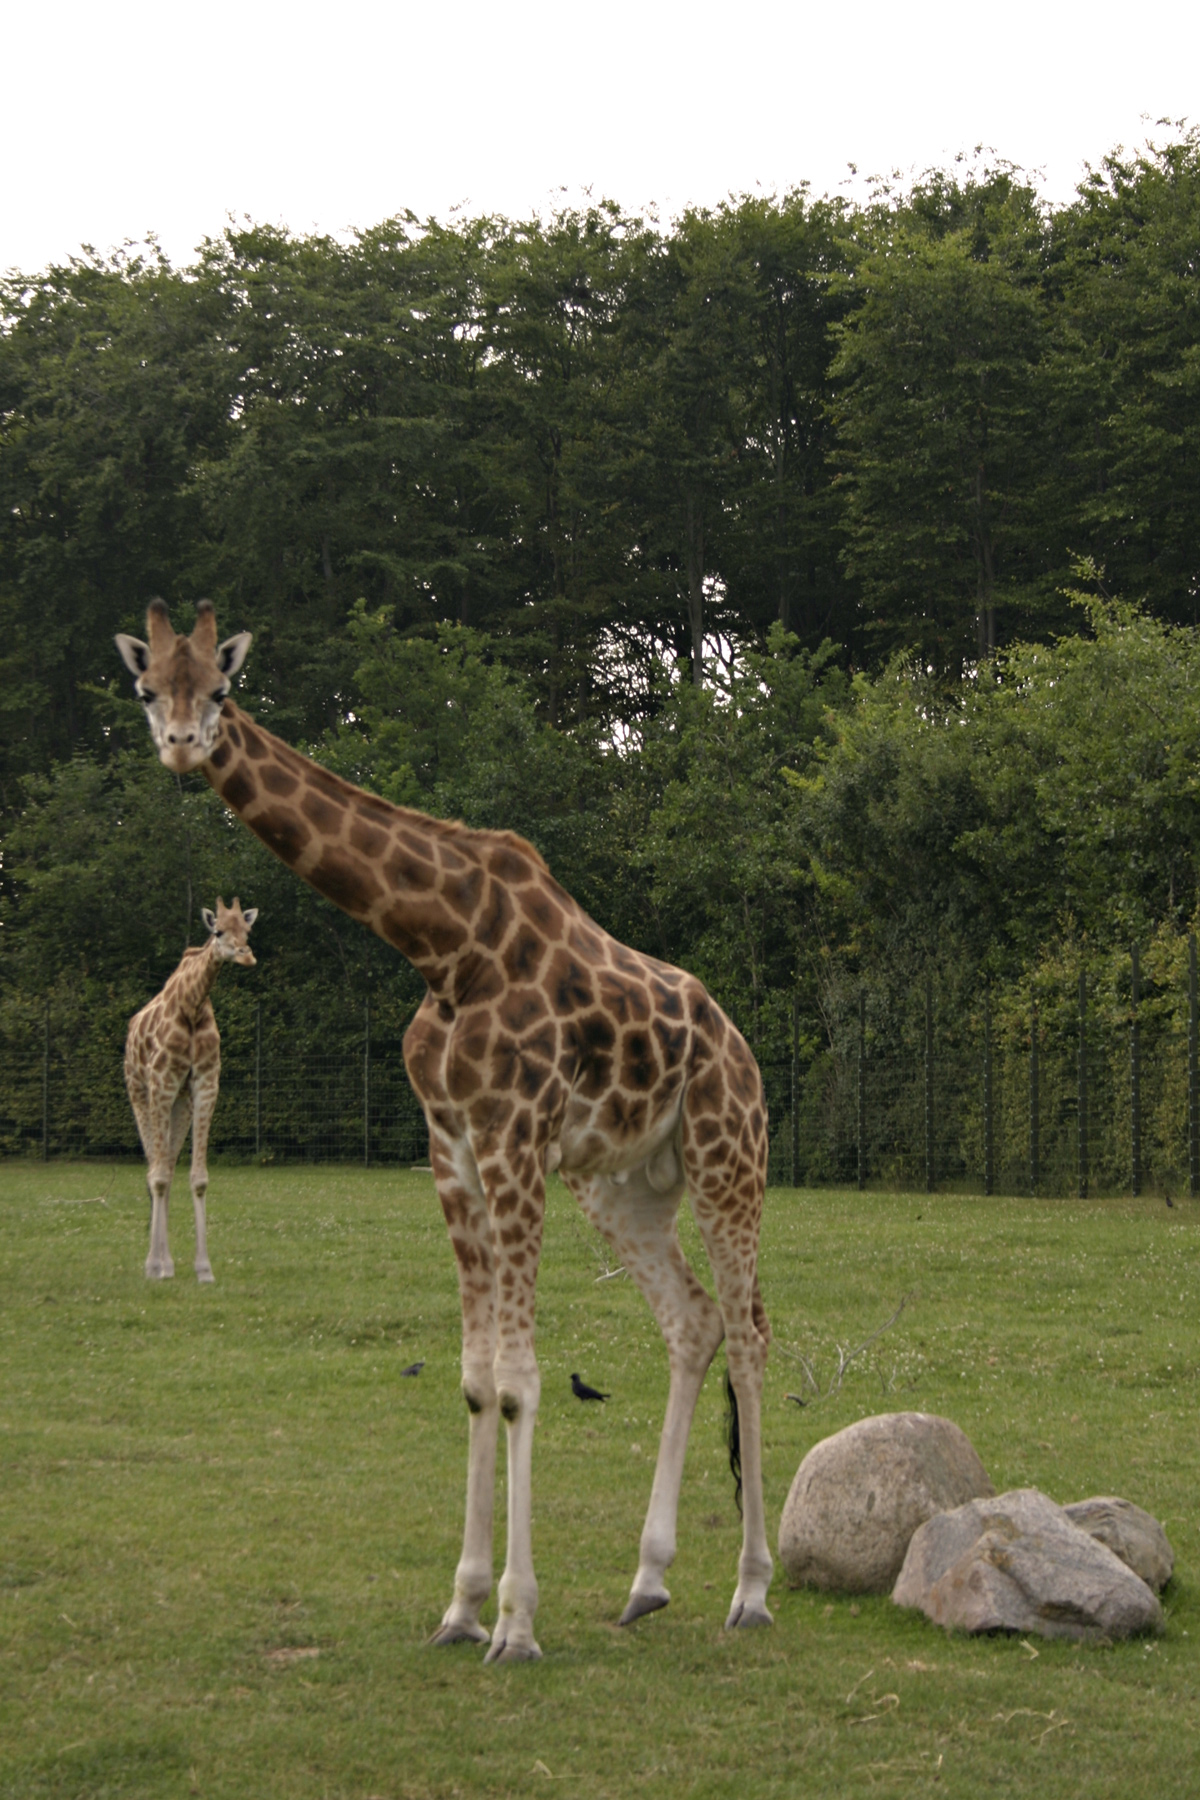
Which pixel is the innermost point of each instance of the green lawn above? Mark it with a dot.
(226, 1527)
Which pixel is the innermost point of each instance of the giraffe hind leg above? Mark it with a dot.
(638, 1221)
(728, 1211)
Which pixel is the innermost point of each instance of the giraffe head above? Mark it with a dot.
(181, 681)
(230, 927)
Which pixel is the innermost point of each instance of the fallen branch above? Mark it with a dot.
(845, 1359)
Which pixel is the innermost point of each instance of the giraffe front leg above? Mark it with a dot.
(473, 1576)
(159, 1266)
(519, 1390)
(513, 1181)
(156, 1136)
(470, 1234)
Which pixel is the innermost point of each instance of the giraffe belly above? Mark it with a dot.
(583, 1149)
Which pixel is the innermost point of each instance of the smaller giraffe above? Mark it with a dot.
(173, 1071)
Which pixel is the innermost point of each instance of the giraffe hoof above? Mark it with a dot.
(506, 1652)
(743, 1616)
(638, 1605)
(460, 1631)
(159, 1273)
(205, 1275)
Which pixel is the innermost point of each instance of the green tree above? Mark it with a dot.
(778, 541)
(939, 403)
(1126, 371)
(114, 384)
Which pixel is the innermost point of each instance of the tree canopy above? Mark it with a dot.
(759, 567)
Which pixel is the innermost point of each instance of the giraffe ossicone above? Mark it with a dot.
(541, 1043)
(173, 1074)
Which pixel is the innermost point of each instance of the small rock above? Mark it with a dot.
(1133, 1535)
(1018, 1563)
(859, 1495)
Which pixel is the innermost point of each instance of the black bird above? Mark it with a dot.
(582, 1391)
(414, 1368)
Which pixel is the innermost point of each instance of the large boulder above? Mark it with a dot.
(1018, 1563)
(859, 1495)
(1133, 1535)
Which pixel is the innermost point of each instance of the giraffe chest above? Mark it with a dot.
(170, 1047)
(599, 1094)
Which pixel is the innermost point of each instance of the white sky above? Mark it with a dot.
(123, 117)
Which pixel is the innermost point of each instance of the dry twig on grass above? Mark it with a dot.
(844, 1360)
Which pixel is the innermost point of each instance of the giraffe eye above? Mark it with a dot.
(146, 696)
(219, 694)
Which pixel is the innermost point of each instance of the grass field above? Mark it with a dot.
(227, 1528)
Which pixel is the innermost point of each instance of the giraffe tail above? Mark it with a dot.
(733, 1438)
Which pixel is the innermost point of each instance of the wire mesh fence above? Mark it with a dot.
(1075, 1093)
(62, 1093)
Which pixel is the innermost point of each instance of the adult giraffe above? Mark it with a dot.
(541, 1044)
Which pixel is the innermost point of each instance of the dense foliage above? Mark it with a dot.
(756, 568)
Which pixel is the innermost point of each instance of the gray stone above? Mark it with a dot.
(859, 1495)
(1018, 1563)
(1130, 1533)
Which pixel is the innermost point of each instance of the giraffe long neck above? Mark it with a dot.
(413, 880)
(192, 981)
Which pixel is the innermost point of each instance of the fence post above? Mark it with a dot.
(1034, 1105)
(367, 1083)
(258, 1080)
(46, 1083)
(1083, 1118)
(795, 1087)
(1193, 1080)
(989, 1172)
(928, 1084)
(1135, 1079)
(862, 1090)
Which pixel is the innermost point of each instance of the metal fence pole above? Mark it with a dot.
(367, 1083)
(1193, 1078)
(1034, 1105)
(795, 1088)
(46, 1084)
(862, 1090)
(989, 1171)
(1083, 1097)
(1135, 1079)
(258, 1079)
(929, 1170)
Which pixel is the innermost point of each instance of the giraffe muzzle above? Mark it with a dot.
(181, 755)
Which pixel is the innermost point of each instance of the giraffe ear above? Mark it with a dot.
(209, 917)
(250, 914)
(232, 653)
(134, 654)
